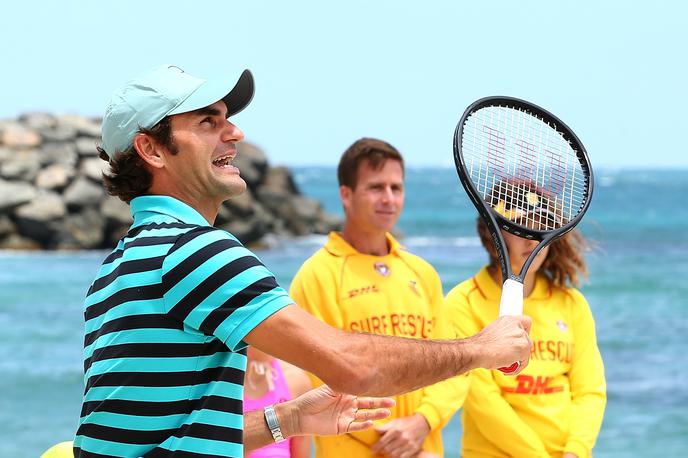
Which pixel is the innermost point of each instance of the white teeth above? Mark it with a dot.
(223, 161)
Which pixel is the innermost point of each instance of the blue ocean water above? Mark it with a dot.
(637, 290)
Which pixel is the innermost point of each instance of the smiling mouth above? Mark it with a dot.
(224, 161)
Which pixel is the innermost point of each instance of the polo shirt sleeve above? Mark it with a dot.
(213, 284)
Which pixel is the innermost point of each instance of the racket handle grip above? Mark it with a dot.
(511, 303)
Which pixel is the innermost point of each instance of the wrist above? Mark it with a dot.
(470, 352)
(287, 416)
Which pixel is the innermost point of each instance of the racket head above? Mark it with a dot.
(524, 169)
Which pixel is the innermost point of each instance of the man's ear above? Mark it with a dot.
(345, 194)
(149, 150)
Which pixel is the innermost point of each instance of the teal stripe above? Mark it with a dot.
(141, 307)
(154, 335)
(150, 277)
(192, 363)
(134, 254)
(198, 275)
(112, 448)
(249, 317)
(224, 293)
(166, 393)
(138, 393)
(149, 423)
(207, 446)
(192, 246)
(134, 422)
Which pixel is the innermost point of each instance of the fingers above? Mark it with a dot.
(375, 403)
(526, 322)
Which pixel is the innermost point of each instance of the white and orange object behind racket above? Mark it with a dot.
(527, 173)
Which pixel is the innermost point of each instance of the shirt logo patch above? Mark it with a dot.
(381, 268)
(561, 325)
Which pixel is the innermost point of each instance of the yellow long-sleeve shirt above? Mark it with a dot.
(557, 403)
(398, 294)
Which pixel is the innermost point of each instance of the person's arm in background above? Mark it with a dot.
(496, 419)
(588, 386)
(439, 402)
(318, 412)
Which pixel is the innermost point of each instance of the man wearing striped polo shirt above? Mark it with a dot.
(173, 307)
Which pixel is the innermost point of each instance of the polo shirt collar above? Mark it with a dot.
(337, 246)
(145, 208)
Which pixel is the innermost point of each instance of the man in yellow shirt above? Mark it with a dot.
(362, 280)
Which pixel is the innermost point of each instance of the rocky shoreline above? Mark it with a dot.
(51, 193)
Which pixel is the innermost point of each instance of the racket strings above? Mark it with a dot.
(523, 167)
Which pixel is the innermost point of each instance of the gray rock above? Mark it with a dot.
(82, 193)
(19, 242)
(13, 194)
(252, 164)
(249, 231)
(93, 169)
(59, 133)
(17, 136)
(21, 165)
(82, 230)
(59, 153)
(115, 211)
(6, 226)
(55, 176)
(241, 205)
(83, 126)
(38, 121)
(86, 146)
(40, 218)
(280, 179)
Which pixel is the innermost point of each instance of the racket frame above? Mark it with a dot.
(496, 221)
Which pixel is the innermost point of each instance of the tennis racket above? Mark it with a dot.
(527, 173)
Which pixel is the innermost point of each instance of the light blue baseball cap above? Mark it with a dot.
(163, 91)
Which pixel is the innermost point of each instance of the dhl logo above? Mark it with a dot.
(365, 290)
(533, 385)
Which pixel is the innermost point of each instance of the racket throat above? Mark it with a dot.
(511, 302)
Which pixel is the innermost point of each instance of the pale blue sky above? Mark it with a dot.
(327, 74)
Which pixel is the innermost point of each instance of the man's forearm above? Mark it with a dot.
(383, 365)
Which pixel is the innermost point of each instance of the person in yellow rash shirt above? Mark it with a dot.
(362, 280)
(554, 408)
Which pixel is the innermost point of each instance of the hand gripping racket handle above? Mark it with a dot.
(511, 303)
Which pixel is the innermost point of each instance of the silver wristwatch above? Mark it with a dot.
(273, 423)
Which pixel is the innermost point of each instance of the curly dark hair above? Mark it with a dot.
(128, 177)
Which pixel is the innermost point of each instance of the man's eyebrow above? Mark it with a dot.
(208, 111)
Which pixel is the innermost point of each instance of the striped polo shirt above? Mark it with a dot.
(164, 356)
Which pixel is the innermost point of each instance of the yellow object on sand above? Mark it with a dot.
(61, 450)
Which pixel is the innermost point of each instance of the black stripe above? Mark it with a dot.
(167, 379)
(212, 432)
(112, 256)
(208, 286)
(159, 452)
(135, 293)
(128, 267)
(159, 409)
(125, 323)
(126, 436)
(190, 235)
(78, 453)
(181, 270)
(156, 350)
(133, 232)
(243, 297)
(151, 241)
